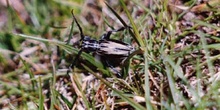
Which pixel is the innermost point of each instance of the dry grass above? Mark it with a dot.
(175, 65)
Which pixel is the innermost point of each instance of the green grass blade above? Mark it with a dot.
(41, 96)
(120, 94)
(147, 83)
(69, 49)
(137, 35)
(116, 14)
(124, 23)
(31, 74)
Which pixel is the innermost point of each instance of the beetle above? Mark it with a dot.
(106, 48)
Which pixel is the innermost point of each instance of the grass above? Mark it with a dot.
(175, 65)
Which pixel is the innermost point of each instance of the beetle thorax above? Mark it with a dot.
(90, 45)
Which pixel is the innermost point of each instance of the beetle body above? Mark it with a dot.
(114, 47)
(112, 51)
(106, 47)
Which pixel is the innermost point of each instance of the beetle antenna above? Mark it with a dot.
(80, 29)
(108, 34)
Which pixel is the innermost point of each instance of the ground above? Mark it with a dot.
(175, 64)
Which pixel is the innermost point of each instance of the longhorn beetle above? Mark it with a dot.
(105, 47)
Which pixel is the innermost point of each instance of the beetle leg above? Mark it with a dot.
(115, 71)
(108, 34)
(74, 61)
